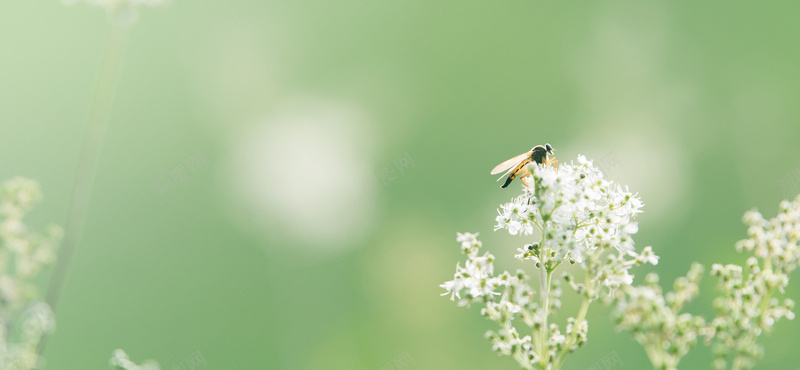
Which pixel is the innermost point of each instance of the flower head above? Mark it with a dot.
(578, 217)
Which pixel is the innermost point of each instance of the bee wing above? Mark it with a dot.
(507, 172)
(509, 163)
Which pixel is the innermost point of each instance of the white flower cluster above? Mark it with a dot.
(579, 217)
(23, 254)
(505, 296)
(747, 306)
(119, 360)
(580, 209)
(476, 278)
(655, 320)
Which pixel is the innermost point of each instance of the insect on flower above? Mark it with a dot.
(517, 166)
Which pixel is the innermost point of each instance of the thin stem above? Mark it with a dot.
(664, 357)
(653, 354)
(537, 225)
(573, 336)
(762, 308)
(737, 363)
(545, 299)
(99, 112)
(518, 355)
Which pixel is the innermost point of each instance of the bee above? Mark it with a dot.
(517, 166)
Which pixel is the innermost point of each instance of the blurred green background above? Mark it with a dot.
(343, 144)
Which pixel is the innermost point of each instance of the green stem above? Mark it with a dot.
(762, 307)
(99, 112)
(545, 275)
(664, 357)
(518, 355)
(573, 336)
(737, 363)
(655, 356)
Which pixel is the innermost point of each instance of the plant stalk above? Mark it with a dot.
(573, 336)
(99, 113)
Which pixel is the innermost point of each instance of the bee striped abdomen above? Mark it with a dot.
(513, 175)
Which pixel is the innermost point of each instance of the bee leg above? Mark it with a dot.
(553, 161)
(522, 177)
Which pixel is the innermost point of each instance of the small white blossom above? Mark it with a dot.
(476, 278)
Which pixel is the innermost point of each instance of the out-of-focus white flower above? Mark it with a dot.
(23, 253)
(647, 256)
(17, 197)
(748, 306)
(655, 319)
(119, 360)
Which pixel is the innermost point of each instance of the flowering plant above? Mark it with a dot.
(746, 308)
(655, 320)
(24, 319)
(574, 215)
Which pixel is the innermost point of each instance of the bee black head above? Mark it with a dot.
(539, 154)
(549, 149)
